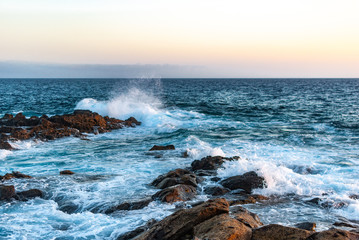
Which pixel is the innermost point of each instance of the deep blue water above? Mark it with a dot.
(279, 127)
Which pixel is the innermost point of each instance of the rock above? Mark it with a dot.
(29, 194)
(161, 148)
(354, 196)
(208, 163)
(66, 172)
(178, 176)
(7, 116)
(216, 191)
(8, 176)
(7, 192)
(215, 179)
(310, 226)
(5, 145)
(247, 182)
(345, 224)
(182, 222)
(246, 217)
(132, 122)
(129, 206)
(315, 201)
(176, 193)
(278, 232)
(334, 234)
(222, 227)
(137, 231)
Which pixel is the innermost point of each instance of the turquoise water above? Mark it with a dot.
(302, 135)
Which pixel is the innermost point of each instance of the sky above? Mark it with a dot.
(169, 38)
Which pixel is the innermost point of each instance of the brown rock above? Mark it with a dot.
(32, 193)
(208, 163)
(247, 182)
(182, 222)
(14, 174)
(66, 172)
(7, 192)
(334, 234)
(129, 206)
(222, 227)
(161, 148)
(310, 226)
(176, 193)
(5, 145)
(178, 176)
(216, 191)
(130, 235)
(246, 217)
(278, 232)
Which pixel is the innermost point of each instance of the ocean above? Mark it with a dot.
(301, 135)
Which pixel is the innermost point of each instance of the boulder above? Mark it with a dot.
(14, 174)
(29, 194)
(247, 182)
(216, 191)
(7, 192)
(208, 163)
(130, 206)
(182, 222)
(222, 227)
(278, 232)
(246, 217)
(162, 148)
(137, 231)
(178, 176)
(310, 226)
(66, 172)
(334, 234)
(5, 145)
(176, 193)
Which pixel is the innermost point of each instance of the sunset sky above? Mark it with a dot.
(278, 38)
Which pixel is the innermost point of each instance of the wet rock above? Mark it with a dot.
(7, 192)
(215, 179)
(278, 232)
(222, 227)
(29, 194)
(245, 199)
(162, 148)
(137, 231)
(208, 163)
(5, 145)
(7, 117)
(216, 191)
(14, 174)
(175, 177)
(315, 201)
(247, 182)
(182, 222)
(129, 206)
(246, 217)
(354, 196)
(176, 193)
(345, 224)
(131, 122)
(310, 226)
(66, 172)
(334, 234)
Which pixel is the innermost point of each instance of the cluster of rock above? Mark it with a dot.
(13, 128)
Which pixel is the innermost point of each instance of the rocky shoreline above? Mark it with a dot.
(222, 217)
(44, 128)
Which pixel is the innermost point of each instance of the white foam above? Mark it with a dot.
(198, 149)
(4, 154)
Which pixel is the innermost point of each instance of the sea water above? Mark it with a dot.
(302, 135)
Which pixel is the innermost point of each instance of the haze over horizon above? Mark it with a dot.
(179, 38)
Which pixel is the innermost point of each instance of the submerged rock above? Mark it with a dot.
(162, 148)
(176, 193)
(14, 174)
(278, 232)
(216, 191)
(247, 182)
(7, 192)
(66, 172)
(5, 145)
(130, 206)
(29, 194)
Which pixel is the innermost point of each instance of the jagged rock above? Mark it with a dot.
(310, 226)
(216, 191)
(7, 192)
(246, 217)
(129, 206)
(208, 163)
(334, 234)
(182, 222)
(176, 193)
(162, 148)
(278, 232)
(5, 145)
(178, 176)
(66, 172)
(222, 227)
(354, 196)
(14, 174)
(247, 182)
(26, 195)
(345, 224)
(137, 231)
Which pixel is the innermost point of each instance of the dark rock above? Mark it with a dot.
(215, 179)
(131, 122)
(176, 193)
(179, 172)
(315, 201)
(310, 226)
(129, 206)
(354, 196)
(182, 222)
(185, 154)
(14, 174)
(222, 227)
(5, 145)
(334, 234)
(175, 177)
(7, 192)
(7, 116)
(29, 194)
(345, 224)
(161, 148)
(66, 172)
(246, 217)
(137, 231)
(208, 163)
(278, 232)
(247, 182)
(216, 191)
